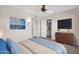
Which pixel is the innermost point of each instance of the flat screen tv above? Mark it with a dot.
(65, 24)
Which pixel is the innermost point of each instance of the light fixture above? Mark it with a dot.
(43, 9)
(45, 12)
(1, 34)
(28, 20)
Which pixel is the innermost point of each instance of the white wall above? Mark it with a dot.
(16, 35)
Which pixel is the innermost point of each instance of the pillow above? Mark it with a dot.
(13, 47)
(3, 38)
(3, 47)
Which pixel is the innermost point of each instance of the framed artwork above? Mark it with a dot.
(17, 23)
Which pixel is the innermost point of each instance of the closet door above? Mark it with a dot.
(35, 28)
(43, 28)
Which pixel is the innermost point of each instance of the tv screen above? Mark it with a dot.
(65, 24)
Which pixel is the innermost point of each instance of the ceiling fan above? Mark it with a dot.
(43, 9)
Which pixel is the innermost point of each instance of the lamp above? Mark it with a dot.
(1, 34)
(2, 31)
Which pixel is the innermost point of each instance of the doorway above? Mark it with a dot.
(49, 22)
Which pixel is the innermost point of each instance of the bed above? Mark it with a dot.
(31, 46)
(41, 46)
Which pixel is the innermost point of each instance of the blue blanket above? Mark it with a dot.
(52, 45)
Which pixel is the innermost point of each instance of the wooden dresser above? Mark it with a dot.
(64, 37)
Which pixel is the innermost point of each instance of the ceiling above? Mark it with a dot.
(52, 9)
